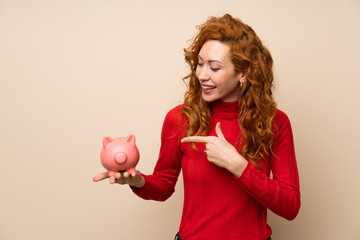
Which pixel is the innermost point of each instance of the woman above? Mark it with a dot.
(226, 138)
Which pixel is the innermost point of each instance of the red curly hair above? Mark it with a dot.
(256, 103)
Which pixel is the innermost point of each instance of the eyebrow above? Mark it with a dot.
(210, 61)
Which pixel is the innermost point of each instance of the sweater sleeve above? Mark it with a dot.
(161, 184)
(282, 193)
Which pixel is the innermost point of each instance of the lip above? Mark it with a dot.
(207, 91)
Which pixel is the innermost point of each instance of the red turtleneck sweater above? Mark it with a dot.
(218, 205)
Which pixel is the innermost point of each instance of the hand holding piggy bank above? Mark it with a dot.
(119, 154)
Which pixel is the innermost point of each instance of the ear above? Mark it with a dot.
(131, 139)
(241, 78)
(106, 141)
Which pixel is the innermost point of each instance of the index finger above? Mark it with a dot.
(200, 139)
(101, 176)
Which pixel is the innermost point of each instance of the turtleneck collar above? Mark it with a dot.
(225, 110)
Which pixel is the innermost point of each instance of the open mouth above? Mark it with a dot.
(208, 87)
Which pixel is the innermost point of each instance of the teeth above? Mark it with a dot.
(207, 87)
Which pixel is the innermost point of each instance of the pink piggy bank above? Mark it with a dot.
(119, 154)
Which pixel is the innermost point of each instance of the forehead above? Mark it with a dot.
(215, 50)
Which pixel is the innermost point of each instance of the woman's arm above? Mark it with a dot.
(282, 193)
(161, 184)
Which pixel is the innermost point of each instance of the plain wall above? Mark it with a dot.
(74, 71)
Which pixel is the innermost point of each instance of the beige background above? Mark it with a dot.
(74, 71)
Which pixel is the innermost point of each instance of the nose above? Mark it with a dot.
(120, 158)
(202, 73)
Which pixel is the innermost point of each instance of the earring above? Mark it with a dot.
(241, 84)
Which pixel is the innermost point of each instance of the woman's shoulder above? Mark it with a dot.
(175, 119)
(175, 113)
(281, 119)
(280, 115)
(176, 110)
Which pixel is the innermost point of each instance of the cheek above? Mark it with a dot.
(197, 72)
(228, 81)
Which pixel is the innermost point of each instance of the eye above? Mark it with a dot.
(214, 69)
(200, 64)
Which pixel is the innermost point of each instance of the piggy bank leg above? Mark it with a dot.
(112, 173)
(112, 176)
(131, 171)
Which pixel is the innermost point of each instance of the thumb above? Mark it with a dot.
(219, 132)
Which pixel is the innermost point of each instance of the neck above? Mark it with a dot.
(226, 110)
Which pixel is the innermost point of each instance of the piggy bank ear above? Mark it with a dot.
(106, 141)
(131, 139)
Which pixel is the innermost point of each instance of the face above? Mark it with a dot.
(216, 73)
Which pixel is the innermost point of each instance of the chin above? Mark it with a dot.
(209, 99)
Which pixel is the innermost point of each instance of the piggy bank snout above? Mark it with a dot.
(120, 158)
